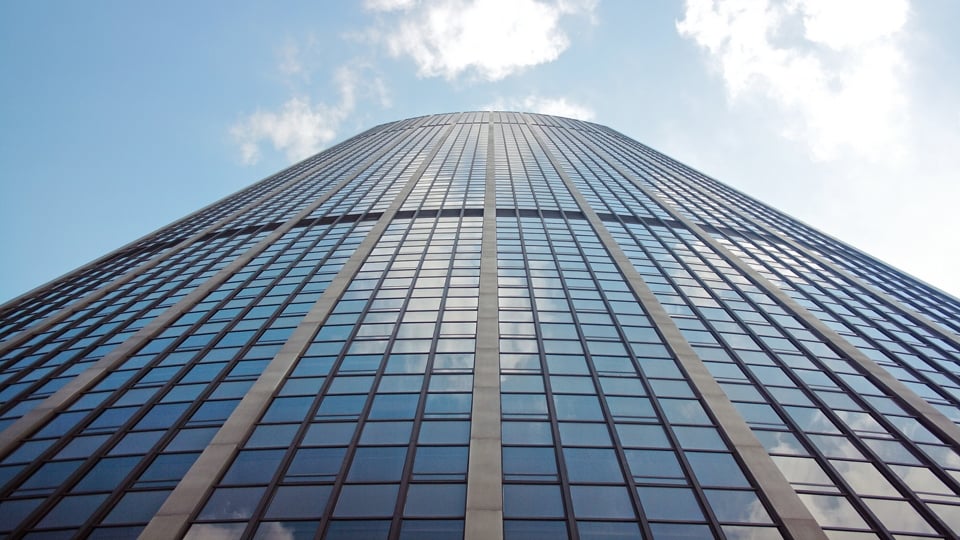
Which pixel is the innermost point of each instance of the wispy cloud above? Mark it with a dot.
(301, 127)
(557, 106)
(833, 69)
(489, 39)
(388, 5)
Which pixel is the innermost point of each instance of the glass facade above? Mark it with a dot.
(482, 325)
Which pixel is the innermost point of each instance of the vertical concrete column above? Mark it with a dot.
(924, 411)
(45, 410)
(784, 502)
(173, 517)
(484, 518)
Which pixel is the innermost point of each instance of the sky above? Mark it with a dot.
(117, 118)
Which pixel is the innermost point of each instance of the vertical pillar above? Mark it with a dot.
(783, 500)
(38, 416)
(484, 518)
(173, 517)
(924, 411)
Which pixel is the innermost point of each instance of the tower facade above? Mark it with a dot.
(482, 325)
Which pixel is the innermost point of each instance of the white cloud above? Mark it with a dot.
(299, 129)
(488, 38)
(388, 5)
(554, 106)
(302, 128)
(290, 59)
(837, 83)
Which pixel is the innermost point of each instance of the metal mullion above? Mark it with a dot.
(835, 247)
(911, 498)
(890, 389)
(284, 463)
(171, 432)
(562, 474)
(843, 319)
(176, 512)
(880, 295)
(855, 312)
(87, 379)
(694, 484)
(530, 138)
(932, 418)
(629, 481)
(117, 392)
(73, 361)
(144, 409)
(26, 334)
(297, 439)
(762, 389)
(363, 416)
(407, 471)
(794, 515)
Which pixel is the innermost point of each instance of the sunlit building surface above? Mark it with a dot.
(482, 325)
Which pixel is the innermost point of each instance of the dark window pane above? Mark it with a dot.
(440, 500)
(669, 503)
(82, 447)
(584, 434)
(49, 476)
(534, 530)
(273, 436)
(526, 433)
(386, 433)
(680, 531)
(253, 467)
(136, 443)
(532, 501)
(329, 434)
(367, 500)
(716, 469)
(608, 530)
(290, 502)
(137, 507)
(232, 503)
(13, 512)
(642, 436)
(737, 506)
(592, 465)
(107, 474)
(434, 432)
(72, 510)
(167, 470)
(530, 463)
(394, 406)
(431, 530)
(358, 530)
(440, 463)
(601, 502)
(315, 464)
(287, 409)
(191, 439)
(377, 464)
(288, 530)
(655, 466)
(706, 438)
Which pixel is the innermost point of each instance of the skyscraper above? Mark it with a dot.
(484, 325)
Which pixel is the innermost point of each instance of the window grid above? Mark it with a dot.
(213, 354)
(688, 281)
(400, 390)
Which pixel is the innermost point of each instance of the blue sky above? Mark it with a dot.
(120, 117)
